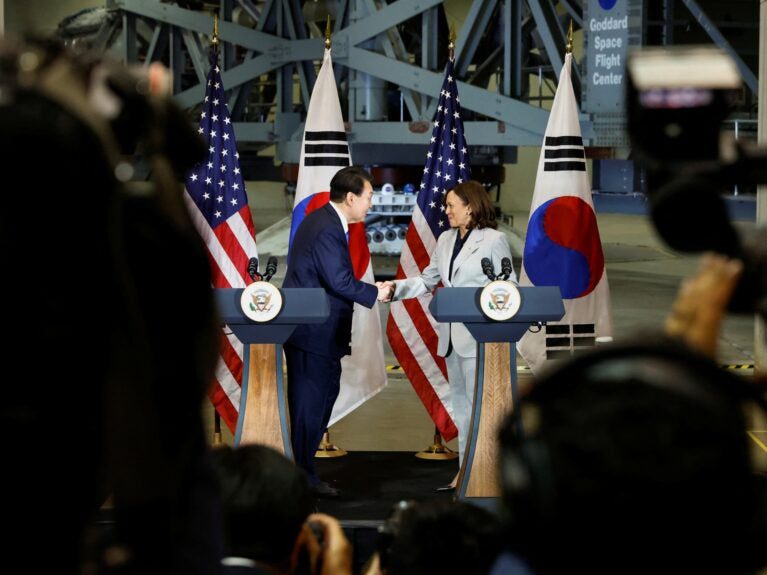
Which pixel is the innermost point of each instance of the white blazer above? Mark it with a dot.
(467, 272)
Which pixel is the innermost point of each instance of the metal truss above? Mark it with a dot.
(749, 78)
(388, 59)
(379, 49)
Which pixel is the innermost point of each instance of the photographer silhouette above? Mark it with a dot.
(108, 399)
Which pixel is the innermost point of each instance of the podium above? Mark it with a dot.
(263, 416)
(495, 392)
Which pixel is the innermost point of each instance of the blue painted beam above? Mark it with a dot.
(199, 22)
(710, 28)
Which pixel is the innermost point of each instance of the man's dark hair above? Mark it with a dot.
(624, 450)
(474, 195)
(266, 499)
(351, 179)
(466, 538)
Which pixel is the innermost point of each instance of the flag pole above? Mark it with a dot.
(569, 45)
(329, 33)
(437, 450)
(218, 440)
(326, 448)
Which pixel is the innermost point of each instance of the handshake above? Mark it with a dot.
(385, 291)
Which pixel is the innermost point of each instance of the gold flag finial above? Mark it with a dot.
(214, 39)
(569, 45)
(451, 40)
(328, 34)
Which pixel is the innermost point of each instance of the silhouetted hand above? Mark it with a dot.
(335, 553)
(701, 303)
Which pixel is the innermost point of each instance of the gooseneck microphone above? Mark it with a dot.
(271, 268)
(505, 269)
(487, 268)
(253, 269)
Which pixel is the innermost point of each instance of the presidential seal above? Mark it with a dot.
(500, 300)
(261, 301)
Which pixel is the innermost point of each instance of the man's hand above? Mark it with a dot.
(700, 305)
(385, 291)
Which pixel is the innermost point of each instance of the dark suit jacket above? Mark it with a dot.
(320, 257)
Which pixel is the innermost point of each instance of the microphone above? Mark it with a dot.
(253, 269)
(271, 268)
(487, 268)
(505, 268)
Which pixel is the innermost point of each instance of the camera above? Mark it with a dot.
(389, 531)
(677, 98)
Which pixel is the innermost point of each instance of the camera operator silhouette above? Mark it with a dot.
(107, 378)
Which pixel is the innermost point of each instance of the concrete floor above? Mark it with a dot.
(644, 276)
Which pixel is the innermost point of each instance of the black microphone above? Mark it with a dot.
(487, 268)
(505, 268)
(271, 268)
(253, 269)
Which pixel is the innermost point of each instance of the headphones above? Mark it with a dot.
(621, 446)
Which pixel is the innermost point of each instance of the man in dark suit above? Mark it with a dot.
(319, 257)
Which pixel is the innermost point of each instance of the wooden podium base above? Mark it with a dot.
(263, 408)
(496, 376)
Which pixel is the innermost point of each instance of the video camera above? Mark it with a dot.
(677, 99)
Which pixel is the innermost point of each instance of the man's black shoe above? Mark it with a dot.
(322, 489)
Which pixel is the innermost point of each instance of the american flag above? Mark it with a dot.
(215, 196)
(411, 329)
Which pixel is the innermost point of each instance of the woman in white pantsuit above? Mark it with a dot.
(456, 262)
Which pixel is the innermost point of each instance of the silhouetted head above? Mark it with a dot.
(266, 499)
(439, 537)
(633, 458)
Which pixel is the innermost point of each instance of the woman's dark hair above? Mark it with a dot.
(473, 194)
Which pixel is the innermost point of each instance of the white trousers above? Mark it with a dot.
(461, 373)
